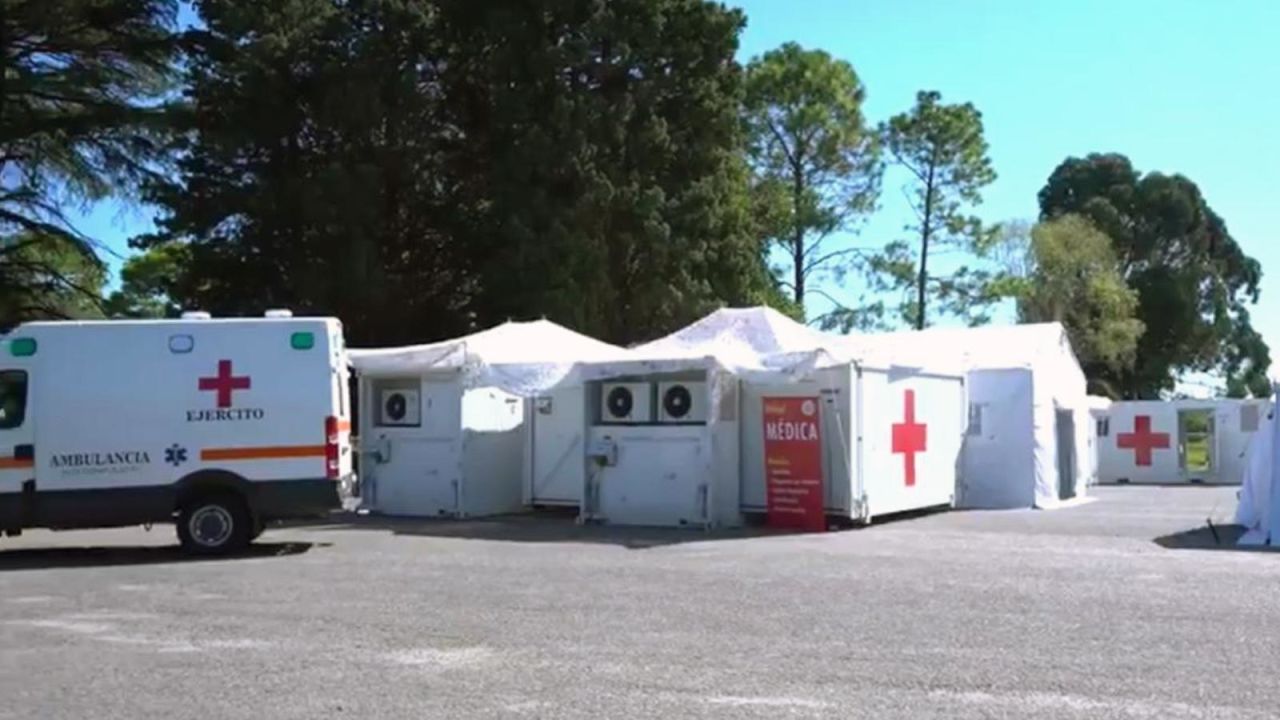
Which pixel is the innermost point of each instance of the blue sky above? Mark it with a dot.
(1177, 85)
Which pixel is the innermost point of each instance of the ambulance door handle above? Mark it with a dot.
(25, 451)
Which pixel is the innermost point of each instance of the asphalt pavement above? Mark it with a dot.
(1122, 608)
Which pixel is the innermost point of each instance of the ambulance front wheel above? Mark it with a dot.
(214, 525)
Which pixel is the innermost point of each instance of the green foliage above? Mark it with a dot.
(147, 282)
(1194, 283)
(421, 169)
(47, 277)
(82, 117)
(942, 148)
(619, 199)
(314, 171)
(817, 166)
(1075, 280)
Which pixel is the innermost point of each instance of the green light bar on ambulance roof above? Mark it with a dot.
(22, 347)
(302, 341)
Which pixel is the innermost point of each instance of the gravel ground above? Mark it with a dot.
(1122, 608)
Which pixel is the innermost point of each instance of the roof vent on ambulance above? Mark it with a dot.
(195, 315)
(278, 313)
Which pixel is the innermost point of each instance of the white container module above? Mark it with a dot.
(436, 448)
(1029, 440)
(670, 453)
(1177, 441)
(678, 468)
(448, 429)
(891, 437)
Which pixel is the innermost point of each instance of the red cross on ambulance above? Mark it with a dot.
(909, 437)
(225, 383)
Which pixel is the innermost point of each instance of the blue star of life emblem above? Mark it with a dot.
(175, 455)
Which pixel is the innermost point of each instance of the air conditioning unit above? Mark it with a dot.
(682, 402)
(400, 408)
(625, 403)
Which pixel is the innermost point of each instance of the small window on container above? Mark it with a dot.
(181, 344)
(1249, 418)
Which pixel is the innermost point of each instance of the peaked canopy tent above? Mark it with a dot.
(1029, 440)
(659, 470)
(446, 428)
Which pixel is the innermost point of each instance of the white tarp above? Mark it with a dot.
(1059, 404)
(756, 343)
(522, 358)
(1259, 491)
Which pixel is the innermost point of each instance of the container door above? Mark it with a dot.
(558, 430)
(17, 443)
(417, 476)
(1196, 444)
(656, 482)
(1066, 437)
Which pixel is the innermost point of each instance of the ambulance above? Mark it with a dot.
(217, 425)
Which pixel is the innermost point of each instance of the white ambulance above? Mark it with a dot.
(219, 425)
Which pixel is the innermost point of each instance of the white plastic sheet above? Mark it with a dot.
(751, 343)
(1259, 495)
(522, 358)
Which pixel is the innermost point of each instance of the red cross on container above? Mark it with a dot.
(1142, 441)
(909, 437)
(224, 383)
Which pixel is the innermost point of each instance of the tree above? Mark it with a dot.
(942, 148)
(48, 277)
(1194, 283)
(147, 283)
(82, 117)
(421, 169)
(314, 173)
(609, 138)
(816, 164)
(1070, 275)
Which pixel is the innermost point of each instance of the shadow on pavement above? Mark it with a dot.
(107, 556)
(1188, 484)
(1208, 537)
(536, 527)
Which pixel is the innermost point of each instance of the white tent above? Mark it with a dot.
(663, 469)
(1029, 440)
(445, 428)
(1260, 491)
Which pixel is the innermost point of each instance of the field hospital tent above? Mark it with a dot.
(1029, 438)
(446, 428)
(678, 432)
(1259, 505)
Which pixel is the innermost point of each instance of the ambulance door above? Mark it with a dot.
(17, 441)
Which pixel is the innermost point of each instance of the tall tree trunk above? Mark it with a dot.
(926, 230)
(797, 239)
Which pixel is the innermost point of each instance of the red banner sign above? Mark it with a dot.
(793, 463)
